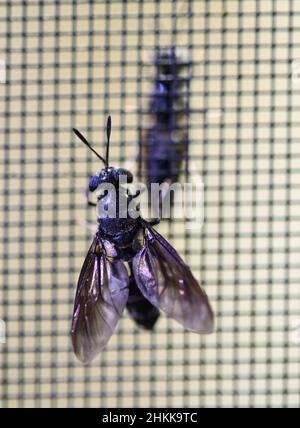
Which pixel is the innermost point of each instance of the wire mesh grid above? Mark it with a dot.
(70, 63)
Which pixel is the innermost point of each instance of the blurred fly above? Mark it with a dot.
(156, 278)
(163, 147)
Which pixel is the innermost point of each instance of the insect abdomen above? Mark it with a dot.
(140, 309)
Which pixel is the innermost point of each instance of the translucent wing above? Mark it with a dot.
(101, 296)
(167, 282)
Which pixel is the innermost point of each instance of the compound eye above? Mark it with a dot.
(94, 182)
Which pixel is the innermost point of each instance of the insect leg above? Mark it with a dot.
(86, 197)
(154, 221)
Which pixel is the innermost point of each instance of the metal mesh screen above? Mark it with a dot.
(70, 63)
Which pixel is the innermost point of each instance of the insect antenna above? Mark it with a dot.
(85, 141)
(108, 131)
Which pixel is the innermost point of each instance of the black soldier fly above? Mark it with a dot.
(156, 278)
(163, 145)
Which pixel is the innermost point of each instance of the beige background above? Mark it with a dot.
(247, 254)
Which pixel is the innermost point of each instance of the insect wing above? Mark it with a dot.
(168, 283)
(101, 296)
